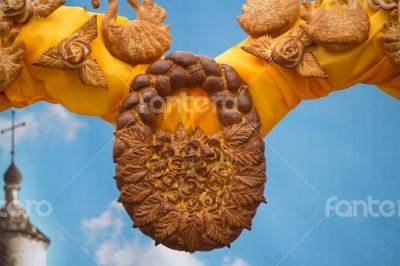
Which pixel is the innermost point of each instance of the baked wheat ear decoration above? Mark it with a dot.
(72, 53)
(290, 51)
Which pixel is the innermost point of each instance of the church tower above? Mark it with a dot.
(21, 243)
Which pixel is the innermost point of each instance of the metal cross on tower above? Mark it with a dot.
(12, 129)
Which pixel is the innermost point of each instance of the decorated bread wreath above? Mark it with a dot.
(190, 190)
(193, 181)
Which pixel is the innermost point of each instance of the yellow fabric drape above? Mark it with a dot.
(274, 90)
(58, 86)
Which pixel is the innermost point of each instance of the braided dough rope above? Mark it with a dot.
(188, 190)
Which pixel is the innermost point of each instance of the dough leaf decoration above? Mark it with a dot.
(310, 68)
(261, 47)
(51, 58)
(92, 75)
(72, 53)
(167, 226)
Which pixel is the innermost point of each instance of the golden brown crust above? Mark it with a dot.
(188, 190)
(337, 29)
(72, 53)
(391, 39)
(12, 54)
(141, 41)
(272, 17)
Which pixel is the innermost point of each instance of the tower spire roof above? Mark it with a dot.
(12, 177)
(14, 220)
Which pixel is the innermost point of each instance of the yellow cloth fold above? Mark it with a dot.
(274, 90)
(64, 87)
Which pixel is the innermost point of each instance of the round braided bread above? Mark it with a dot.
(190, 191)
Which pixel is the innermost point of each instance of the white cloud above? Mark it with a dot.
(53, 120)
(108, 224)
(228, 261)
(59, 121)
(131, 253)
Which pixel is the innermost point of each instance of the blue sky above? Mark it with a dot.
(345, 145)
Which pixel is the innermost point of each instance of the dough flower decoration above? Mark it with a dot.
(391, 38)
(21, 11)
(141, 41)
(12, 54)
(272, 17)
(336, 29)
(290, 51)
(72, 53)
(209, 185)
